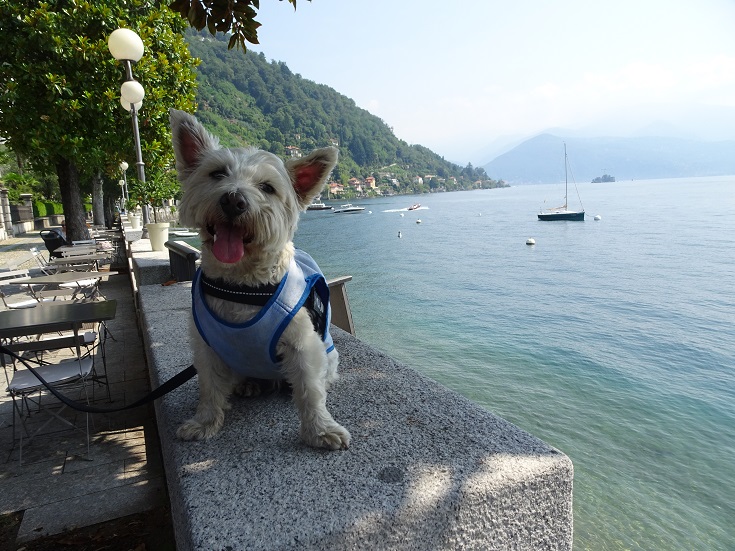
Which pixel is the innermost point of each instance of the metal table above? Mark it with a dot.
(60, 279)
(54, 317)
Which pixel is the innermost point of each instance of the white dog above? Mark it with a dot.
(260, 307)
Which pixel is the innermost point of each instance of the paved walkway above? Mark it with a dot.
(59, 487)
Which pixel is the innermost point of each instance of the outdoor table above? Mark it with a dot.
(53, 317)
(63, 277)
(80, 259)
(59, 279)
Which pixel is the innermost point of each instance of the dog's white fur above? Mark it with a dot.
(208, 172)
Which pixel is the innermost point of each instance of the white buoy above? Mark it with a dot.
(530, 241)
(401, 215)
(598, 217)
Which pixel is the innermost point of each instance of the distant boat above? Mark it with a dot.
(414, 206)
(318, 204)
(563, 212)
(348, 208)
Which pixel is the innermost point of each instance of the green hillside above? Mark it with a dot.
(245, 99)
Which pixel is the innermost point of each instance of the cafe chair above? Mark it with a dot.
(29, 302)
(92, 343)
(80, 250)
(43, 264)
(30, 397)
(84, 289)
(11, 301)
(53, 240)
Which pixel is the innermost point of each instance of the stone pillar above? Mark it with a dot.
(27, 199)
(7, 223)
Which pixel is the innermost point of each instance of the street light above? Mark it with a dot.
(124, 182)
(126, 46)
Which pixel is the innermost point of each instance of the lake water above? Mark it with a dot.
(612, 340)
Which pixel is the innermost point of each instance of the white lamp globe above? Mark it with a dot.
(126, 105)
(132, 91)
(125, 44)
(124, 166)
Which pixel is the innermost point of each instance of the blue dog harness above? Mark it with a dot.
(249, 348)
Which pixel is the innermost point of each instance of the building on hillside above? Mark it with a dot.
(335, 188)
(370, 182)
(418, 180)
(293, 151)
(356, 184)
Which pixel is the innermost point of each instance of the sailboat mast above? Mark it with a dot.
(566, 179)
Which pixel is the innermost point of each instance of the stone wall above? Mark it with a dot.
(427, 468)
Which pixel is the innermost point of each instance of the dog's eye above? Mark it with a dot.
(265, 187)
(218, 174)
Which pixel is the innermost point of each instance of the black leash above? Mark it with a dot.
(174, 382)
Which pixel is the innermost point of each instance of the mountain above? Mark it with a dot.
(246, 100)
(541, 159)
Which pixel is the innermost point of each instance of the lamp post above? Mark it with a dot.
(126, 46)
(124, 182)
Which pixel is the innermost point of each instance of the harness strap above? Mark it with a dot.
(174, 382)
(244, 294)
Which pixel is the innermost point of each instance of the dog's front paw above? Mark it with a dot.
(333, 436)
(196, 430)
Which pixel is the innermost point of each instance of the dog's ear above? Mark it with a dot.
(309, 173)
(190, 140)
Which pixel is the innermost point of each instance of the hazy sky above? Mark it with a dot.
(456, 76)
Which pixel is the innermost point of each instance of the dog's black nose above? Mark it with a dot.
(233, 204)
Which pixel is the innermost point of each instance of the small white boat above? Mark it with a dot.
(348, 208)
(530, 241)
(318, 204)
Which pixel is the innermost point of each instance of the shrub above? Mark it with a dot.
(39, 209)
(54, 208)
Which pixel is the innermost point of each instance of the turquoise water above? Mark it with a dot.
(612, 340)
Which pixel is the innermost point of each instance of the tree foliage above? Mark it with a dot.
(59, 88)
(236, 17)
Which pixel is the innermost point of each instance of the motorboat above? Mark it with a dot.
(318, 204)
(414, 206)
(348, 208)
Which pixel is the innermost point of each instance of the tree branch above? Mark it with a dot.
(236, 17)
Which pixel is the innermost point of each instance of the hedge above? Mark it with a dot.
(49, 208)
(39, 209)
(46, 208)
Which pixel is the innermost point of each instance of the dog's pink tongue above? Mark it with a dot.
(228, 246)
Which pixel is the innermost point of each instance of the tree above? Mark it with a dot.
(236, 17)
(155, 190)
(59, 100)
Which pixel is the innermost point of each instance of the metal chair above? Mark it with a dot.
(27, 392)
(43, 264)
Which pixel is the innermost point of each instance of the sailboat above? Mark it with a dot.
(563, 212)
